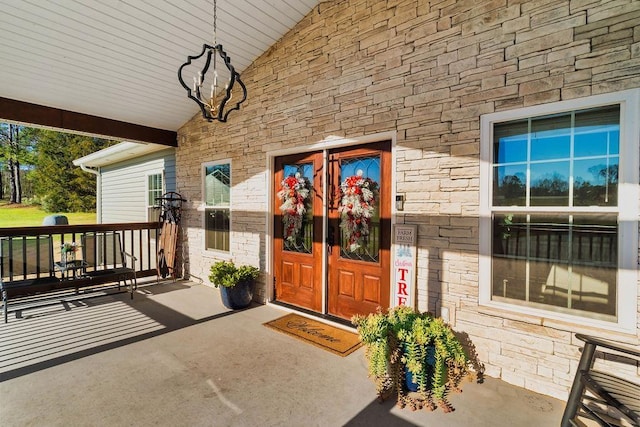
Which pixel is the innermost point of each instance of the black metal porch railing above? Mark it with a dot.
(22, 257)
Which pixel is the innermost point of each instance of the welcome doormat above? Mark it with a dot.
(325, 336)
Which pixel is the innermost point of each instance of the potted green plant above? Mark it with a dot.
(236, 283)
(409, 351)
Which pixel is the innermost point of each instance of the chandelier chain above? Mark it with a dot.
(215, 19)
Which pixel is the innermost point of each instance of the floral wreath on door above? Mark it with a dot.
(294, 195)
(357, 207)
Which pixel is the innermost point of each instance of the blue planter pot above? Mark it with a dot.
(430, 362)
(411, 386)
(238, 296)
(408, 381)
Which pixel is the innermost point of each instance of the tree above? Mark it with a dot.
(602, 189)
(608, 173)
(16, 152)
(61, 186)
(513, 187)
(551, 185)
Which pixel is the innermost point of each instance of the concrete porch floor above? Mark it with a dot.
(175, 356)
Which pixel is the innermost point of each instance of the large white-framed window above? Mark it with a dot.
(155, 189)
(217, 205)
(559, 210)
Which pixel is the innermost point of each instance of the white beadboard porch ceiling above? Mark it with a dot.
(119, 59)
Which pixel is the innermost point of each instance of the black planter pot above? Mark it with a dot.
(238, 296)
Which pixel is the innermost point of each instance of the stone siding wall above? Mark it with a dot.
(426, 70)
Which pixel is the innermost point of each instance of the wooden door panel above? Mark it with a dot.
(347, 284)
(287, 273)
(371, 289)
(359, 276)
(357, 293)
(298, 262)
(297, 284)
(306, 276)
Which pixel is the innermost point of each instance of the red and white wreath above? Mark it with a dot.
(294, 191)
(357, 208)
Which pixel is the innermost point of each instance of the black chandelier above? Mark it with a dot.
(212, 96)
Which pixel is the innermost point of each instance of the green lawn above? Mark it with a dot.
(26, 216)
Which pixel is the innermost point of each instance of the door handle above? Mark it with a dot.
(330, 239)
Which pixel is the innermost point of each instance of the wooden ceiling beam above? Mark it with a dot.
(63, 120)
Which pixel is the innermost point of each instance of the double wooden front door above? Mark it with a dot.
(332, 245)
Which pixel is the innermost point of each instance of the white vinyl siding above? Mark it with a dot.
(124, 186)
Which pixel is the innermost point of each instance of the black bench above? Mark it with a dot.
(27, 266)
(601, 396)
(104, 251)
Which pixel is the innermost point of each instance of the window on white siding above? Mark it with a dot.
(217, 197)
(555, 222)
(155, 189)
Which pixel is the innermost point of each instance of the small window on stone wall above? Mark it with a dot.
(217, 215)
